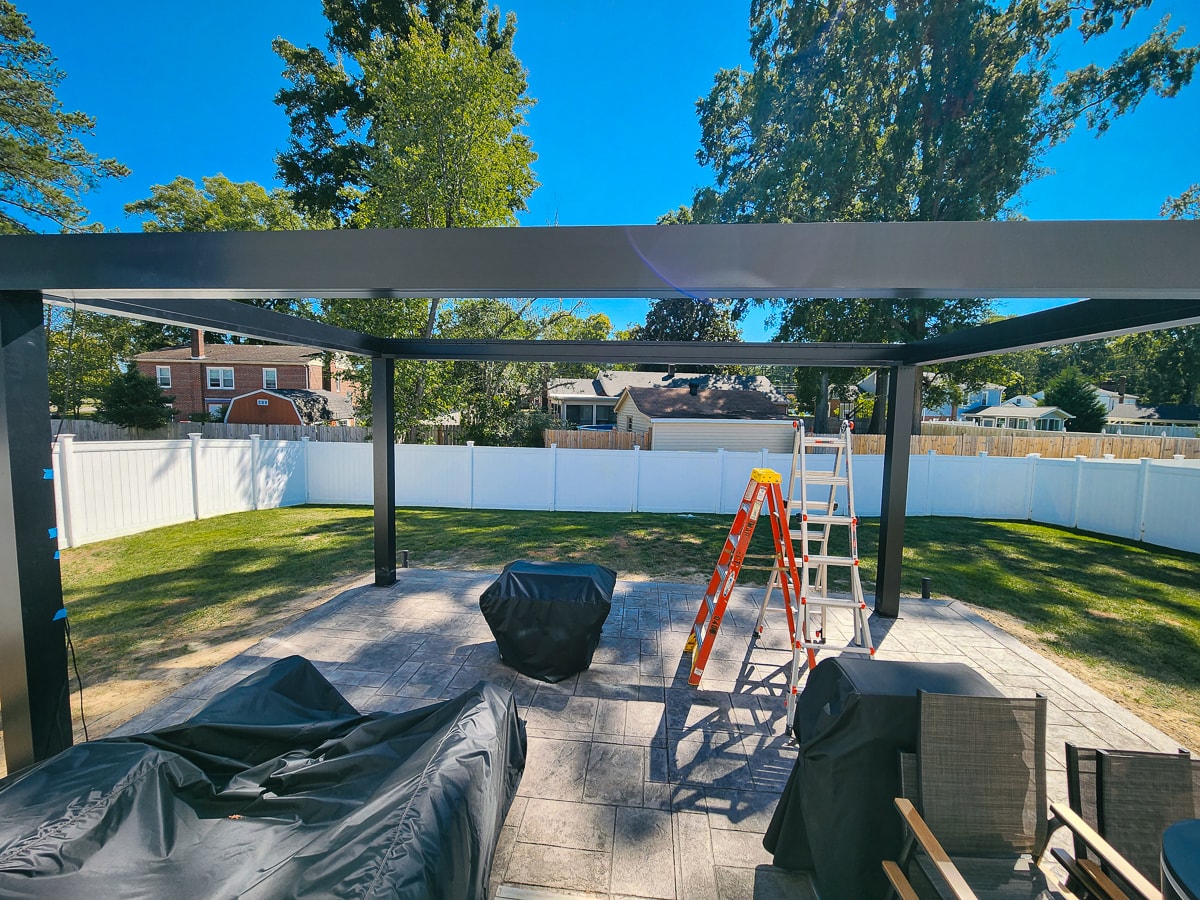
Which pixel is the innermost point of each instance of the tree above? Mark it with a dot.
(914, 111)
(1071, 392)
(686, 319)
(44, 168)
(445, 147)
(331, 107)
(84, 354)
(134, 400)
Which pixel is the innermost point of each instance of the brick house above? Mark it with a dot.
(206, 379)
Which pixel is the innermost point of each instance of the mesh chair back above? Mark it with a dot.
(982, 773)
(1137, 796)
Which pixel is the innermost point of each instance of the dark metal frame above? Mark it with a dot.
(1140, 276)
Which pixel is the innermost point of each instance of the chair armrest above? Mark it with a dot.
(1106, 852)
(900, 884)
(1086, 874)
(940, 859)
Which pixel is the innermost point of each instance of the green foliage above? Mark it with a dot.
(686, 319)
(921, 111)
(220, 205)
(1185, 206)
(85, 352)
(331, 106)
(1071, 392)
(445, 148)
(134, 400)
(44, 168)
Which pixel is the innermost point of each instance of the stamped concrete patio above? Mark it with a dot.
(636, 784)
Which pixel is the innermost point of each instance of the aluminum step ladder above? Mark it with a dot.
(813, 498)
(764, 488)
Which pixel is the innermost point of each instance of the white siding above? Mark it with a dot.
(625, 410)
(723, 434)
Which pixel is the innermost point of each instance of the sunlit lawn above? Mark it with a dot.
(1129, 612)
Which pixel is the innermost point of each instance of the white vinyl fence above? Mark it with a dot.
(111, 489)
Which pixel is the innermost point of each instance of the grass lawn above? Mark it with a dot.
(1124, 615)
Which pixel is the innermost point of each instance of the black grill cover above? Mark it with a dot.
(277, 788)
(853, 718)
(547, 616)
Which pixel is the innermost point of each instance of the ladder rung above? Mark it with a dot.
(824, 441)
(821, 478)
(832, 602)
(850, 648)
(818, 559)
(819, 519)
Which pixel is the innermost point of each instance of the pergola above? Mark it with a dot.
(1134, 276)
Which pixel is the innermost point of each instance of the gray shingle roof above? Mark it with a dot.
(681, 403)
(316, 407)
(1164, 413)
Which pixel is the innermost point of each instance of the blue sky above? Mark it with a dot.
(186, 88)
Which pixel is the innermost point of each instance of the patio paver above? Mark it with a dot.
(636, 784)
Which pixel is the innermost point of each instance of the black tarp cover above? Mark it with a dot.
(277, 788)
(837, 816)
(547, 616)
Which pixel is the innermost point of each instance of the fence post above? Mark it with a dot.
(637, 477)
(304, 444)
(470, 474)
(66, 477)
(194, 437)
(255, 451)
(1143, 496)
(1079, 461)
(1030, 483)
(553, 477)
(720, 478)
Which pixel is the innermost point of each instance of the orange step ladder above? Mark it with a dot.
(764, 488)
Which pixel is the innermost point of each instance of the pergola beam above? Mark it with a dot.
(1088, 320)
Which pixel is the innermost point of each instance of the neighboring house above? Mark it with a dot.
(289, 406)
(1173, 420)
(1013, 414)
(1112, 394)
(988, 395)
(688, 418)
(206, 379)
(590, 401)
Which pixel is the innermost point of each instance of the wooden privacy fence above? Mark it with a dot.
(571, 439)
(1063, 445)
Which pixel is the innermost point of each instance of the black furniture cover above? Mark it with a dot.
(277, 788)
(547, 616)
(836, 816)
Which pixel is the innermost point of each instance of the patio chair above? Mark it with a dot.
(1121, 801)
(977, 781)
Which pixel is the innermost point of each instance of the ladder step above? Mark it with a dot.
(850, 648)
(818, 519)
(825, 479)
(831, 602)
(817, 559)
(824, 441)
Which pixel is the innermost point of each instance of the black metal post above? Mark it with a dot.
(33, 657)
(895, 490)
(383, 436)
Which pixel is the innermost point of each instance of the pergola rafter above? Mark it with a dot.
(1139, 276)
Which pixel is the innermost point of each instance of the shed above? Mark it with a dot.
(285, 406)
(693, 419)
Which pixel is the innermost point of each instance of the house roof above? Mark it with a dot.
(681, 403)
(314, 407)
(1032, 412)
(253, 354)
(1132, 412)
(610, 383)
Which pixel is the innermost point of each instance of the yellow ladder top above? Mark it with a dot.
(766, 476)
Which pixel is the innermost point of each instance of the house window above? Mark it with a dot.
(629, 423)
(605, 415)
(579, 414)
(1023, 423)
(220, 378)
(270, 381)
(217, 409)
(163, 373)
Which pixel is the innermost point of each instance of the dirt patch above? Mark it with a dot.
(1176, 717)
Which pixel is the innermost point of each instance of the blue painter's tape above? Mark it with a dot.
(53, 532)
(47, 474)
(61, 614)
(57, 555)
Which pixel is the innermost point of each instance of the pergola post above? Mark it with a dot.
(383, 436)
(901, 388)
(34, 694)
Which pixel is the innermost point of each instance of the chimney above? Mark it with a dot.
(694, 388)
(197, 344)
(1121, 390)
